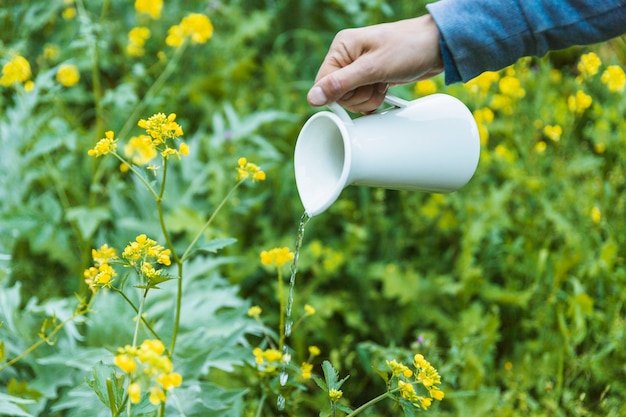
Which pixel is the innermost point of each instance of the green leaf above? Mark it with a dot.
(108, 386)
(332, 377)
(9, 406)
(215, 245)
(87, 219)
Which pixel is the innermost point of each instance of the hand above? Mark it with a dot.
(362, 63)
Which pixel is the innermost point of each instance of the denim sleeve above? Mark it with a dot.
(488, 35)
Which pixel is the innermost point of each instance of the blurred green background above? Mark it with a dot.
(513, 287)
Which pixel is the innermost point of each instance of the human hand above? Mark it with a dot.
(362, 63)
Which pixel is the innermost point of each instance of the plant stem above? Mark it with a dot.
(261, 404)
(139, 314)
(179, 302)
(130, 302)
(138, 174)
(206, 225)
(80, 311)
(156, 86)
(372, 402)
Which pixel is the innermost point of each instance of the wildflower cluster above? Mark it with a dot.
(143, 254)
(16, 71)
(137, 38)
(270, 360)
(307, 367)
(195, 26)
(162, 132)
(276, 257)
(151, 8)
(104, 146)
(149, 370)
(247, 169)
(423, 374)
(68, 75)
(101, 274)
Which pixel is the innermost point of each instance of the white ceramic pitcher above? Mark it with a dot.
(430, 144)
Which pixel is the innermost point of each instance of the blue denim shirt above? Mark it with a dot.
(484, 35)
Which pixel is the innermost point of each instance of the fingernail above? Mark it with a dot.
(317, 97)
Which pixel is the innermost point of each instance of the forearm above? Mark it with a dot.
(491, 34)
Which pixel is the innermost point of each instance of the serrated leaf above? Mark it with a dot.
(9, 406)
(108, 386)
(332, 377)
(215, 245)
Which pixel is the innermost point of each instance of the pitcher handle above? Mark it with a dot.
(345, 117)
(341, 113)
(396, 101)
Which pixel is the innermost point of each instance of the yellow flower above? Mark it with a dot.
(276, 257)
(579, 103)
(482, 83)
(335, 395)
(104, 254)
(425, 87)
(104, 146)
(426, 374)
(540, 147)
(314, 351)
(184, 150)
(589, 64)
(306, 369)
(68, 75)
(69, 12)
(171, 380)
(150, 7)
(245, 169)
(425, 402)
(196, 26)
(161, 127)
(398, 368)
(272, 355)
(157, 396)
(504, 153)
(15, 71)
(553, 132)
(614, 78)
(407, 391)
(510, 86)
(125, 362)
(134, 392)
(137, 38)
(309, 310)
(596, 215)
(437, 394)
(140, 149)
(254, 311)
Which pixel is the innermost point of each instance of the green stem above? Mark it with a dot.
(81, 310)
(171, 66)
(261, 404)
(179, 302)
(112, 404)
(208, 223)
(372, 402)
(144, 321)
(138, 174)
(139, 314)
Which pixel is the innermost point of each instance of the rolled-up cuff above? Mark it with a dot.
(449, 67)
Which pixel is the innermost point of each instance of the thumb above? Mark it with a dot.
(336, 85)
